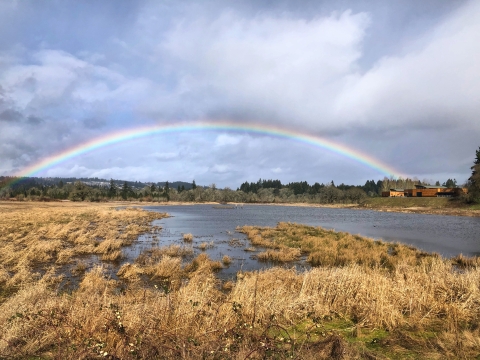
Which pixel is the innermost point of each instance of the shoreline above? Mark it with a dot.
(404, 210)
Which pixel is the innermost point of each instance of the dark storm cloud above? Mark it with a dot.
(34, 120)
(10, 115)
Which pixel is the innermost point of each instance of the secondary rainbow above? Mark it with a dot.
(139, 132)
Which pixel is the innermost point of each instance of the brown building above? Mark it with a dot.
(394, 193)
(434, 191)
(425, 191)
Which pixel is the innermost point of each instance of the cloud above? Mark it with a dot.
(34, 120)
(67, 99)
(220, 169)
(389, 90)
(435, 84)
(284, 68)
(165, 156)
(226, 140)
(10, 115)
(288, 70)
(94, 123)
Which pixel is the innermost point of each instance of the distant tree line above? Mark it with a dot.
(262, 191)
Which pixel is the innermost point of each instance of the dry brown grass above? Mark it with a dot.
(206, 245)
(420, 307)
(311, 314)
(35, 236)
(331, 248)
(203, 263)
(114, 255)
(79, 268)
(155, 254)
(187, 237)
(282, 255)
(226, 260)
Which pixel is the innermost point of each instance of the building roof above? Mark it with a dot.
(430, 187)
(399, 190)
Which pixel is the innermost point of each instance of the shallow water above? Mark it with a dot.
(446, 235)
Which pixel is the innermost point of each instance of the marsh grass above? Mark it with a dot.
(79, 268)
(155, 254)
(114, 255)
(203, 263)
(206, 245)
(188, 238)
(419, 306)
(226, 260)
(280, 256)
(330, 248)
(33, 236)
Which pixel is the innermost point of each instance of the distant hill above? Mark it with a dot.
(49, 181)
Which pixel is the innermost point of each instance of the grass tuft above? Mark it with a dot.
(188, 238)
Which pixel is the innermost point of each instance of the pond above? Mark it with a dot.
(446, 235)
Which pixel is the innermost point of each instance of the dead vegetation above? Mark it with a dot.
(188, 238)
(226, 260)
(415, 305)
(331, 248)
(34, 237)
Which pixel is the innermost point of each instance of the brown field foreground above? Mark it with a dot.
(363, 299)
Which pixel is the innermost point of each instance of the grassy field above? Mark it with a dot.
(451, 206)
(362, 299)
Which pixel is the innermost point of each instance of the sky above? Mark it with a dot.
(397, 81)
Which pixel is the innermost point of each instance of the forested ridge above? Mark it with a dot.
(262, 191)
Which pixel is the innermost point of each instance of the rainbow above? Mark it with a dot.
(140, 132)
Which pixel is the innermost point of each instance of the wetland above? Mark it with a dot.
(83, 280)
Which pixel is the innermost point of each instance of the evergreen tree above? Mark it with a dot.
(450, 183)
(153, 189)
(474, 180)
(125, 191)
(112, 190)
(166, 190)
(80, 191)
(194, 186)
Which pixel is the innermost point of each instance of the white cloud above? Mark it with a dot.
(436, 85)
(220, 168)
(227, 140)
(287, 68)
(165, 155)
(54, 77)
(300, 73)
